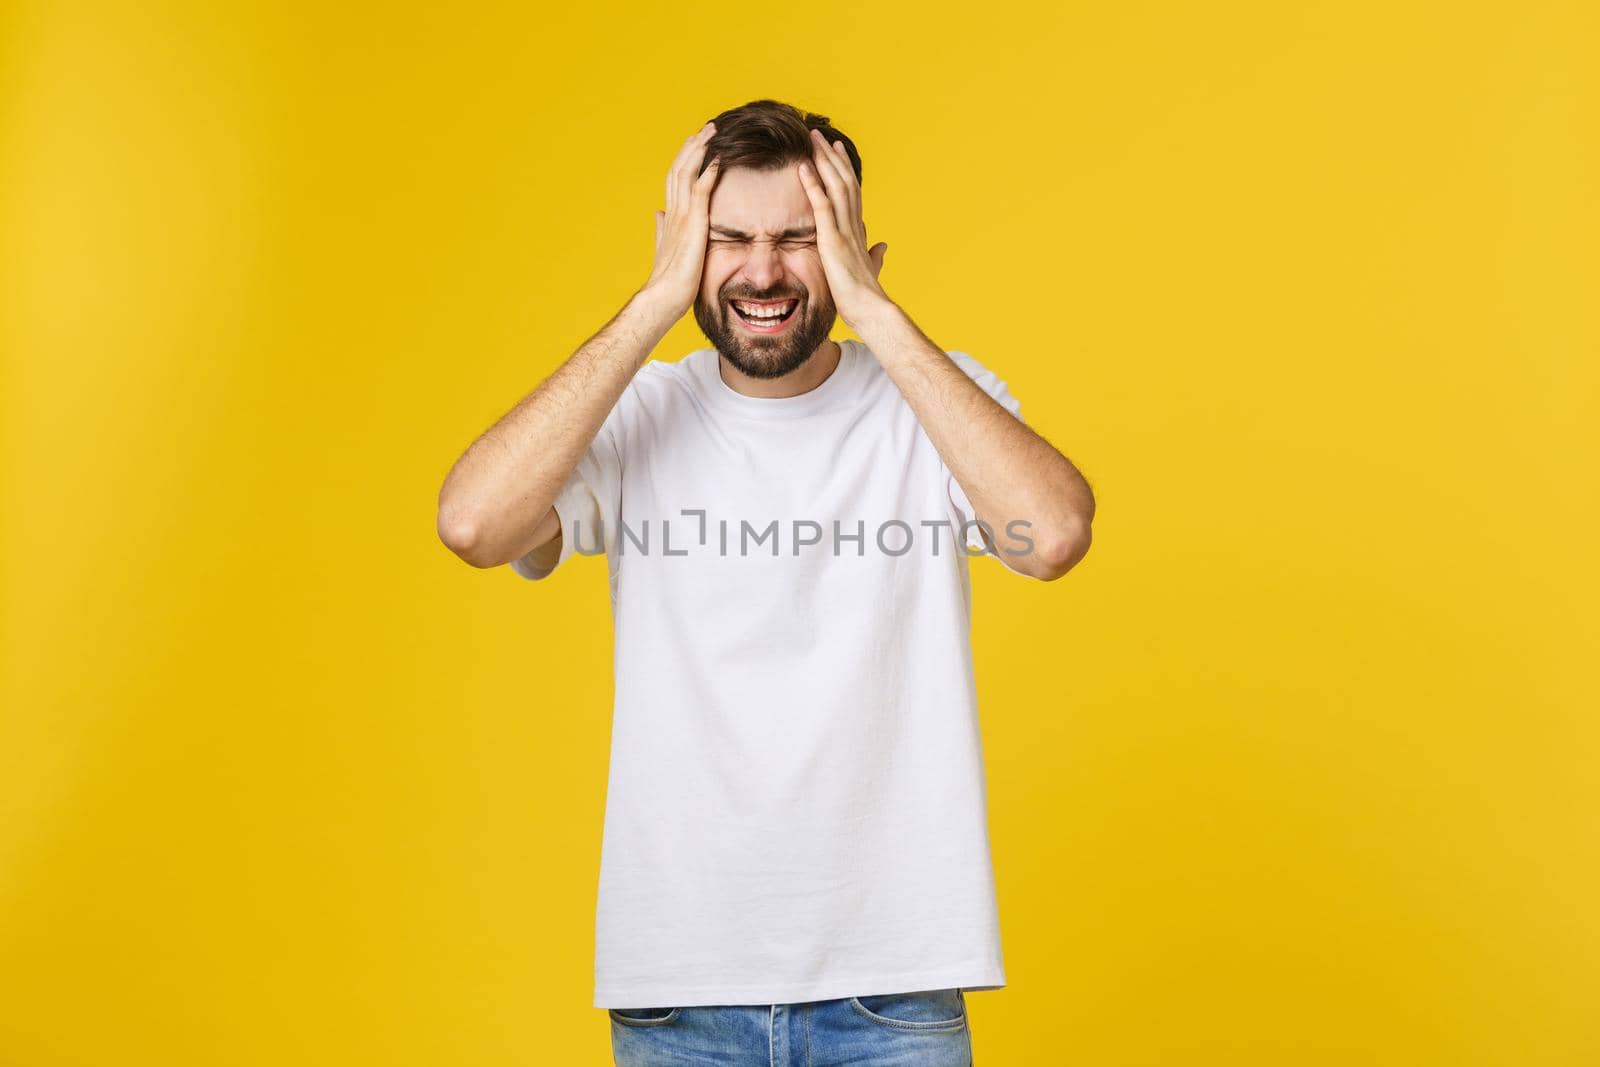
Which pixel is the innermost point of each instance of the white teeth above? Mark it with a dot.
(759, 312)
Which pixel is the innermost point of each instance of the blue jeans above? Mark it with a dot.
(922, 1029)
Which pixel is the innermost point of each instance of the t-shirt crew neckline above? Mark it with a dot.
(835, 391)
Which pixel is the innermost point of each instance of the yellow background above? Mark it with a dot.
(1298, 767)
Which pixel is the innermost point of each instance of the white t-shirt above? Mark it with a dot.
(796, 808)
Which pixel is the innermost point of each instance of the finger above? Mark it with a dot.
(689, 176)
(828, 172)
(821, 206)
(691, 142)
(704, 183)
(672, 178)
(848, 173)
(838, 156)
(677, 165)
(828, 163)
(847, 170)
(876, 254)
(846, 206)
(708, 178)
(688, 164)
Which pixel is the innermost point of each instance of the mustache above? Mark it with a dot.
(764, 296)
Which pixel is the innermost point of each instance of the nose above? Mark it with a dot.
(764, 267)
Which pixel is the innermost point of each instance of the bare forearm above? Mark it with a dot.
(1008, 471)
(495, 496)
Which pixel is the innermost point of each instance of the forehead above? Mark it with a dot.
(760, 201)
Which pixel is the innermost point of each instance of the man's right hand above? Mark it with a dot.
(684, 228)
(497, 503)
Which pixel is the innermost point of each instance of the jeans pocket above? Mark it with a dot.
(929, 1009)
(644, 1016)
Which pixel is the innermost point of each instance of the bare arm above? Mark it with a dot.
(495, 504)
(1008, 471)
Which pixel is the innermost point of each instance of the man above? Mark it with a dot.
(795, 856)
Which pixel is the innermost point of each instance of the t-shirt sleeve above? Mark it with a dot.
(587, 505)
(992, 384)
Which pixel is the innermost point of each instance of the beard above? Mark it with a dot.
(766, 355)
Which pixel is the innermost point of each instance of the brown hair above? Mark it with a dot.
(767, 134)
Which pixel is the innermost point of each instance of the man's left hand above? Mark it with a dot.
(852, 268)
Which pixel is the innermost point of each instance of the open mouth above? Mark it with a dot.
(764, 316)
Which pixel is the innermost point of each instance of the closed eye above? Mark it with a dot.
(793, 244)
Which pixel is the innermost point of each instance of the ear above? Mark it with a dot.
(876, 254)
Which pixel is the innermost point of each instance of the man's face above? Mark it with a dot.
(763, 252)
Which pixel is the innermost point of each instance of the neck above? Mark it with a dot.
(804, 378)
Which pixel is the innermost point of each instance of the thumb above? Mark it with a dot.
(876, 254)
(661, 218)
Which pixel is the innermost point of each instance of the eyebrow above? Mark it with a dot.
(793, 231)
